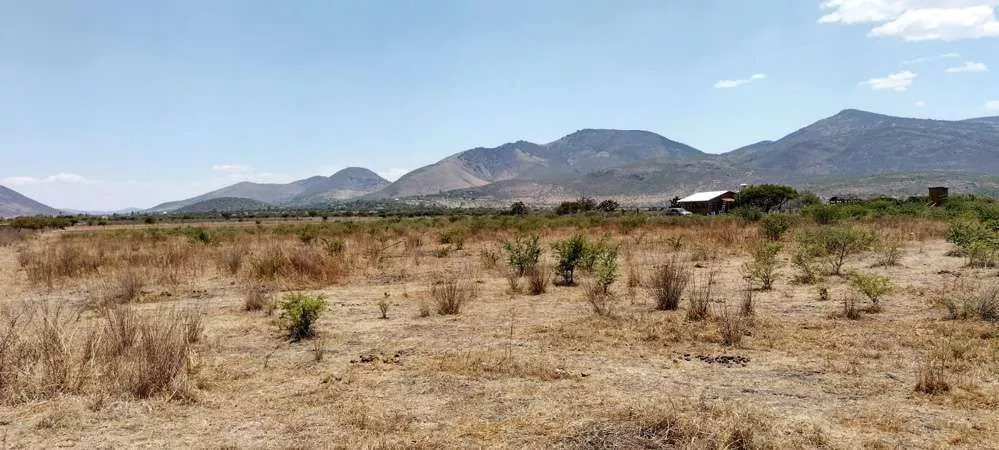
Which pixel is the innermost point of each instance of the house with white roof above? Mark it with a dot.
(712, 202)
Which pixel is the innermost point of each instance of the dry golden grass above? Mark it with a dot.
(778, 369)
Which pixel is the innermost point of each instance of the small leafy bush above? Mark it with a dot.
(605, 268)
(835, 245)
(874, 287)
(747, 213)
(523, 253)
(763, 268)
(571, 253)
(299, 313)
(774, 226)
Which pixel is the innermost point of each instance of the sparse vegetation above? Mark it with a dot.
(299, 313)
(83, 373)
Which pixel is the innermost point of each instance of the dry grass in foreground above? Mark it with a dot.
(466, 333)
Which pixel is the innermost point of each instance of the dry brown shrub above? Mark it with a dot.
(850, 310)
(667, 283)
(733, 327)
(257, 298)
(699, 303)
(537, 280)
(602, 302)
(230, 258)
(125, 287)
(931, 377)
(57, 261)
(451, 293)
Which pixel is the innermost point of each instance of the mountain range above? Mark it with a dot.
(854, 152)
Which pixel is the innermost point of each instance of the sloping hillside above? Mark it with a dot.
(858, 143)
(14, 204)
(225, 204)
(345, 184)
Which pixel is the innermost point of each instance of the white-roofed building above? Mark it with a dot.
(711, 202)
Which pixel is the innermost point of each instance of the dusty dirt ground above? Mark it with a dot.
(520, 371)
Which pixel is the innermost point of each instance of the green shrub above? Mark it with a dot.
(747, 213)
(981, 305)
(822, 214)
(523, 253)
(452, 237)
(874, 287)
(570, 252)
(834, 245)
(605, 268)
(299, 312)
(773, 226)
(763, 268)
(977, 241)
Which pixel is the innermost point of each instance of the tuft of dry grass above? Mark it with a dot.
(667, 283)
(602, 302)
(850, 310)
(931, 377)
(537, 280)
(699, 304)
(450, 294)
(257, 298)
(125, 287)
(692, 426)
(733, 327)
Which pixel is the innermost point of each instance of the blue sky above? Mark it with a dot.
(109, 104)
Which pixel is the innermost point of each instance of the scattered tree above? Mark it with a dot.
(766, 197)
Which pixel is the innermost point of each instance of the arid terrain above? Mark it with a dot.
(141, 337)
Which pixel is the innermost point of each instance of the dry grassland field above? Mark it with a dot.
(424, 336)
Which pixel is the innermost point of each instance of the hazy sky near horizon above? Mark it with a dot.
(110, 104)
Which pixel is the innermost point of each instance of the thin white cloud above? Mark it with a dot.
(231, 168)
(392, 174)
(917, 20)
(920, 104)
(239, 172)
(969, 67)
(925, 59)
(728, 84)
(896, 82)
(992, 105)
(59, 178)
